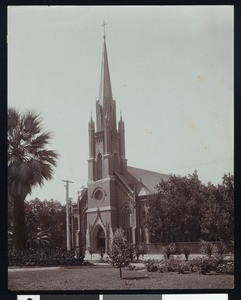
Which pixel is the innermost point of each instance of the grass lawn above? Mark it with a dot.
(107, 278)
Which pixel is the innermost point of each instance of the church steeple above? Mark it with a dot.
(106, 142)
(105, 95)
(105, 106)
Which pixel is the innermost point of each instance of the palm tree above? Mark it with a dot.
(29, 164)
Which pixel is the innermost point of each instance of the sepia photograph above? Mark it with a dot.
(120, 148)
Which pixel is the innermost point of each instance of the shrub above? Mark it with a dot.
(169, 250)
(151, 265)
(163, 266)
(168, 265)
(202, 265)
(226, 267)
(221, 248)
(212, 264)
(207, 248)
(186, 251)
(184, 267)
(48, 258)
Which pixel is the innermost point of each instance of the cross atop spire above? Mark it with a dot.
(103, 25)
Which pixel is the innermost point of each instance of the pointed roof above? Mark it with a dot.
(144, 191)
(148, 179)
(105, 84)
(144, 182)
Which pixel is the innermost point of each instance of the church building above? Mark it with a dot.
(116, 194)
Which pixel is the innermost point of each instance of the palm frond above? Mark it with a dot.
(40, 141)
(32, 123)
(13, 118)
(29, 162)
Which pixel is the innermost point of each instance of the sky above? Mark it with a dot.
(171, 71)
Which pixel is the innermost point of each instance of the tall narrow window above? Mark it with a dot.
(99, 167)
(116, 162)
(126, 217)
(126, 223)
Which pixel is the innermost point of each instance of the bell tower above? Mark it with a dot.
(106, 143)
(106, 155)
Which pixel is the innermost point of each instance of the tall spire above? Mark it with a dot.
(105, 95)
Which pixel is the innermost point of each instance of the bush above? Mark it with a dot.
(49, 258)
(169, 250)
(207, 248)
(172, 265)
(202, 265)
(168, 266)
(226, 267)
(221, 248)
(213, 264)
(186, 251)
(184, 267)
(152, 265)
(163, 266)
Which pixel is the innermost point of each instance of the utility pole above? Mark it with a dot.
(67, 214)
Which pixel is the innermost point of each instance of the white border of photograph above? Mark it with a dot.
(196, 297)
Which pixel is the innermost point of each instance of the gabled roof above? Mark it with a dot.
(144, 182)
(144, 192)
(147, 179)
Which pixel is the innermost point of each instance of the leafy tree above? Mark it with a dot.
(120, 254)
(29, 164)
(218, 211)
(50, 216)
(175, 209)
(184, 205)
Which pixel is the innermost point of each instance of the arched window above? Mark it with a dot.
(99, 167)
(116, 162)
(126, 223)
(126, 214)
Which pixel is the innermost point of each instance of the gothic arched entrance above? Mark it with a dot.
(101, 239)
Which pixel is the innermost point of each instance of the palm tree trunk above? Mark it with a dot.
(19, 225)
